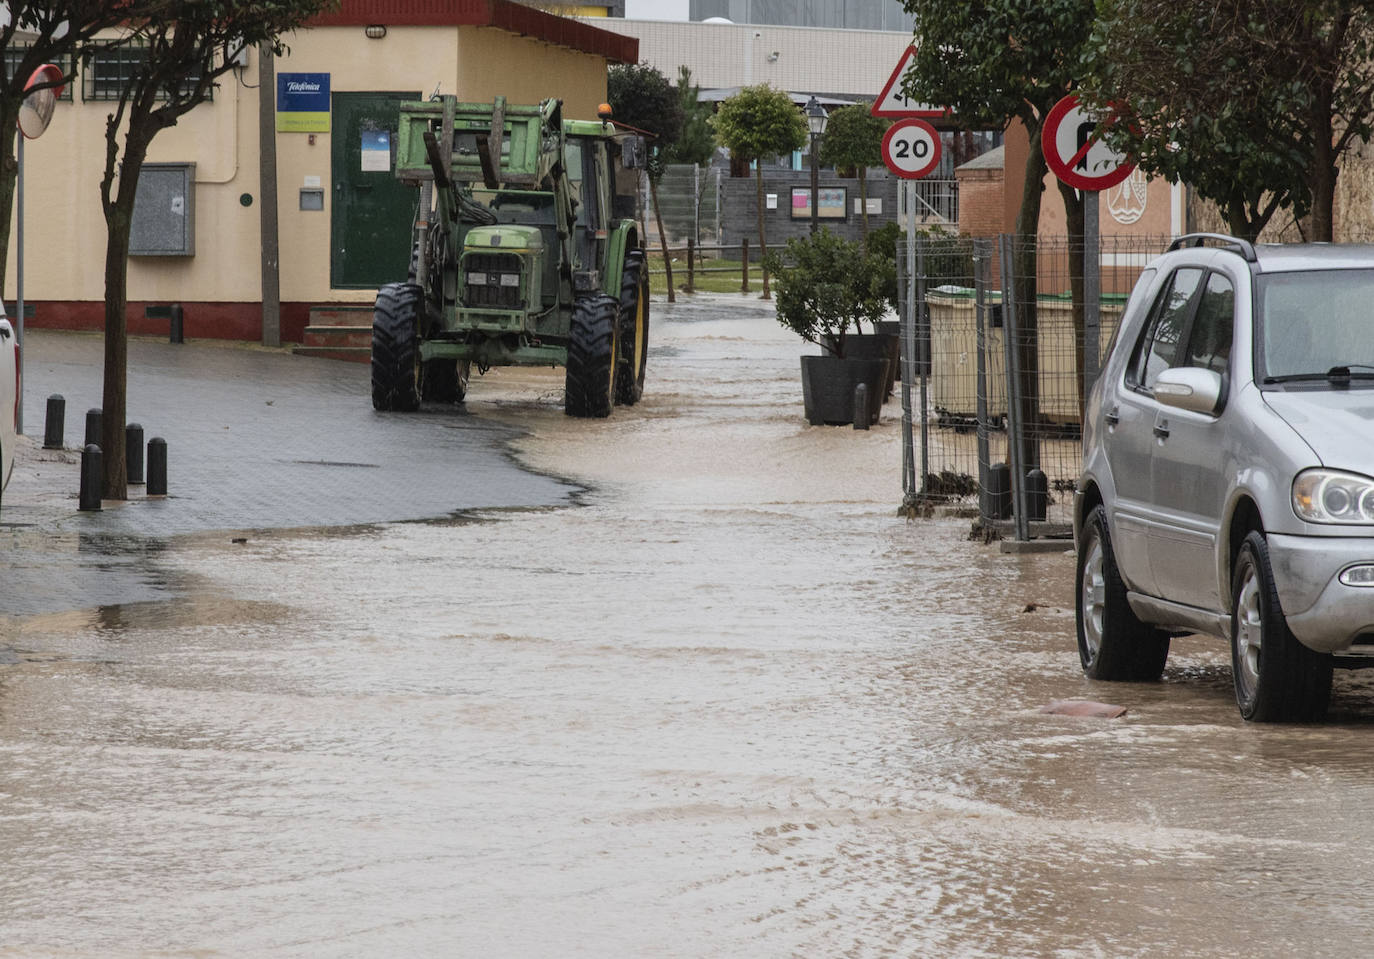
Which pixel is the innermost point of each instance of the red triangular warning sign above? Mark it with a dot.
(891, 102)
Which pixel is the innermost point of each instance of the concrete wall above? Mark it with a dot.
(739, 207)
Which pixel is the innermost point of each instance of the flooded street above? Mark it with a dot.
(724, 703)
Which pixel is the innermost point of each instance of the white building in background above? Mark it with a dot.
(843, 64)
(848, 14)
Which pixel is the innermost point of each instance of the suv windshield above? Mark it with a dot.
(1314, 326)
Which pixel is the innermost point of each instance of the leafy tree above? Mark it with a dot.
(642, 97)
(759, 122)
(696, 144)
(1288, 89)
(854, 137)
(185, 50)
(994, 62)
(59, 32)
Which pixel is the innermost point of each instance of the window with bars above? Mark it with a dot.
(108, 72)
(14, 55)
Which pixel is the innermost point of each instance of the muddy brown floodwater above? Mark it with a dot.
(729, 704)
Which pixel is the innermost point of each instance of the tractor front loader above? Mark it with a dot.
(525, 253)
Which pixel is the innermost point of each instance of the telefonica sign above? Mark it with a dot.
(303, 103)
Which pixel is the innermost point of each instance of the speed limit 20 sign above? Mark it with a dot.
(911, 148)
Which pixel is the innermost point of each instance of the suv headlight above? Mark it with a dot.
(1330, 496)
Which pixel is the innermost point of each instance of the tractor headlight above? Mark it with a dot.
(1330, 496)
(510, 279)
(477, 279)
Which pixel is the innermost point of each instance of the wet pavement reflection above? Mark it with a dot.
(727, 704)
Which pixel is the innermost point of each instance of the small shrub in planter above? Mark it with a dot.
(825, 286)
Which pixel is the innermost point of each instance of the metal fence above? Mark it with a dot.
(689, 201)
(932, 201)
(1002, 352)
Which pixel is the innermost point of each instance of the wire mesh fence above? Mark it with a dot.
(1006, 343)
(689, 202)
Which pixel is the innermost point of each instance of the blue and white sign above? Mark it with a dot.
(303, 102)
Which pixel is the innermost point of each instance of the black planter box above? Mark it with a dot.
(828, 385)
(876, 346)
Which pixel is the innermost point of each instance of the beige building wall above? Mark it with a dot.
(64, 227)
(64, 230)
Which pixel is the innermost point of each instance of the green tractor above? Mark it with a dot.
(525, 253)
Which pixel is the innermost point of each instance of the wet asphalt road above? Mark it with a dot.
(706, 695)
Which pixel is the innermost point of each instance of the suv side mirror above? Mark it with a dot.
(1189, 388)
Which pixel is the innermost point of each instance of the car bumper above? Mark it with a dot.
(1324, 613)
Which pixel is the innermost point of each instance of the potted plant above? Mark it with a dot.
(826, 286)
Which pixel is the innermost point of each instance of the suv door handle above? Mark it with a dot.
(1162, 429)
(1112, 416)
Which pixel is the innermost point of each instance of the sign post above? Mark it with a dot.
(34, 115)
(911, 150)
(1075, 153)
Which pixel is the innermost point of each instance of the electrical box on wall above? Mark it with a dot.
(164, 222)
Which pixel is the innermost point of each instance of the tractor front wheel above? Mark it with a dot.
(590, 381)
(396, 347)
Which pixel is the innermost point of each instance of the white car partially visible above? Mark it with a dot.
(9, 398)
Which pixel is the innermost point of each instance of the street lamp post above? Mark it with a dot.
(815, 120)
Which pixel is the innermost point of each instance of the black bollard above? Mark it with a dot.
(92, 428)
(175, 323)
(133, 453)
(1037, 495)
(998, 490)
(55, 429)
(157, 466)
(861, 406)
(91, 479)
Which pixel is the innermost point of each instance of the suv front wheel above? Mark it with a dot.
(1277, 678)
(1112, 643)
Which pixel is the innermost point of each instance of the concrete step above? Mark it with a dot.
(341, 314)
(337, 336)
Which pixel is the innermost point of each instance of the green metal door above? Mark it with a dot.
(372, 213)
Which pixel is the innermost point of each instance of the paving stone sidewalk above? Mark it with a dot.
(257, 439)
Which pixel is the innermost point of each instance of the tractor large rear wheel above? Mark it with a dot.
(634, 329)
(590, 380)
(396, 347)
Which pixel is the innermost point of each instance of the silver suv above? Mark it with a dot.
(1228, 472)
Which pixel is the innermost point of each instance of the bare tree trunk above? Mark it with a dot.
(763, 242)
(663, 240)
(1026, 266)
(113, 402)
(9, 171)
(1322, 174)
(863, 200)
(118, 221)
